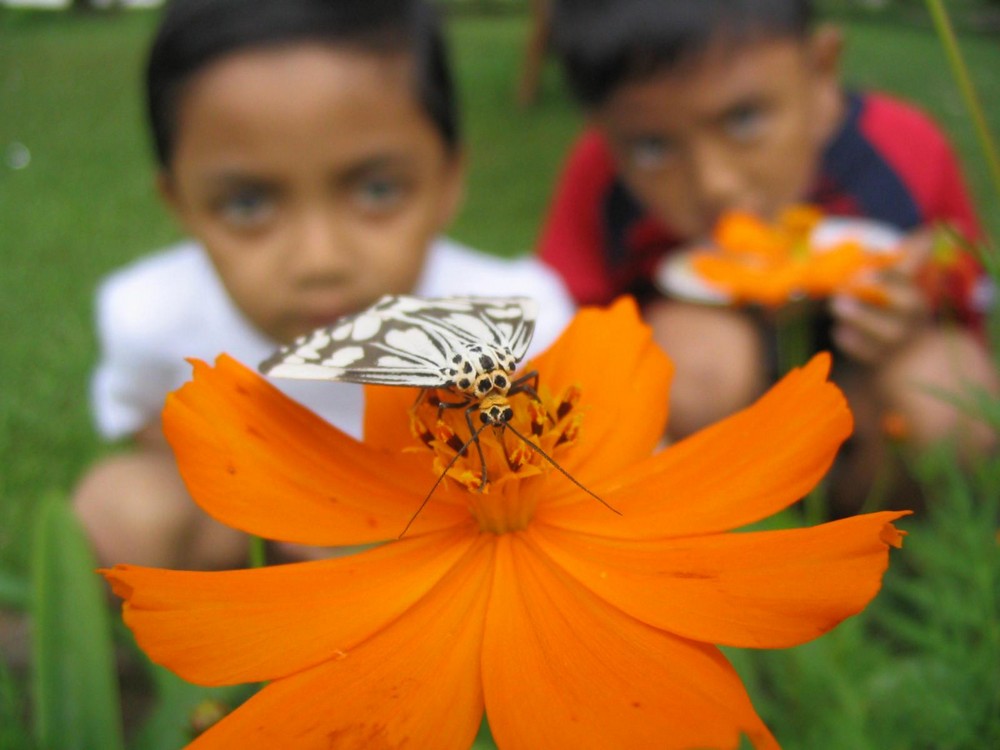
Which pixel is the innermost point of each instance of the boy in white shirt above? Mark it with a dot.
(311, 149)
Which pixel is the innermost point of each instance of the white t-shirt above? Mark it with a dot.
(157, 312)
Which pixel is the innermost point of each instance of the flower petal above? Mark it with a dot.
(563, 668)
(735, 472)
(769, 589)
(417, 683)
(387, 420)
(256, 460)
(248, 625)
(624, 379)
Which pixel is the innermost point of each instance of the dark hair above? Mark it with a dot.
(195, 33)
(605, 43)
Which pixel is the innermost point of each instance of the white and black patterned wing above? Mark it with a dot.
(499, 322)
(405, 340)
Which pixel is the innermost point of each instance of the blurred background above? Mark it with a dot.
(77, 200)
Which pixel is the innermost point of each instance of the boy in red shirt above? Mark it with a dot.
(700, 107)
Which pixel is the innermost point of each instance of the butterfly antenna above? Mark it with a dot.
(563, 471)
(460, 452)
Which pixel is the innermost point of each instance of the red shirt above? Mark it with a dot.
(887, 162)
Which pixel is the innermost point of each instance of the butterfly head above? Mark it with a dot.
(495, 410)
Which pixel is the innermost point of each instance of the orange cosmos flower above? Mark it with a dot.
(570, 625)
(895, 426)
(951, 275)
(770, 265)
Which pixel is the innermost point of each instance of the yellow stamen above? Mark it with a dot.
(498, 505)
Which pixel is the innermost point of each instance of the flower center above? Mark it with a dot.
(493, 448)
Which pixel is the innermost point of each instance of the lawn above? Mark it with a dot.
(76, 200)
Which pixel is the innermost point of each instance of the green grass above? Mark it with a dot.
(917, 671)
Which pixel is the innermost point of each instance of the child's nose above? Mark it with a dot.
(715, 180)
(320, 246)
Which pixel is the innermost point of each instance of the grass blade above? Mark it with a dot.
(74, 682)
(15, 592)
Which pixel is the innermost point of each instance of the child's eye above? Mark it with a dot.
(651, 153)
(745, 123)
(379, 193)
(247, 207)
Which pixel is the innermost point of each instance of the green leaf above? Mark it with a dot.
(484, 739)
(170, 725)
(15, 592)
(74, 680)
(13, 733)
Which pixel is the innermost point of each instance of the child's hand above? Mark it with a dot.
(869, 332)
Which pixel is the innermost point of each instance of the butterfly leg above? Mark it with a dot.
(475, 437)
(469, 408)
(442, 405)
(528, 383)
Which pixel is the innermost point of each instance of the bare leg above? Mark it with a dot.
(136, 510)
(910, 385)
(719, 359)
(942, 360)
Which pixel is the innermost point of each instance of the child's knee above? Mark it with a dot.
(718, 356)
(134, 508)
(927, 382)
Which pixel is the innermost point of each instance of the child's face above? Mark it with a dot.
(313, 178)
(736, 128)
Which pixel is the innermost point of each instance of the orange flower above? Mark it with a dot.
(771, 265)
(951, 274)
(895, 426)
(571, 626)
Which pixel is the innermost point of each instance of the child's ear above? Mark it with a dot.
(454, 189)
(166, 186)
(167, 189)
(825, 47)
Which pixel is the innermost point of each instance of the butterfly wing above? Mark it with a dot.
(498, 322)
(406, 340)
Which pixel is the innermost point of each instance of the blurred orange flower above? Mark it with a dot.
(950, 275)
(895, 426)
(772, 264)
(570, 625)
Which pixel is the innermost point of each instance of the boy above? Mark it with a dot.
(311, 150)
(706, 106)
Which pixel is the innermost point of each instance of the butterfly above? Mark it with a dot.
(469, 346)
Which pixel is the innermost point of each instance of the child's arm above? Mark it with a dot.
(920, 154)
